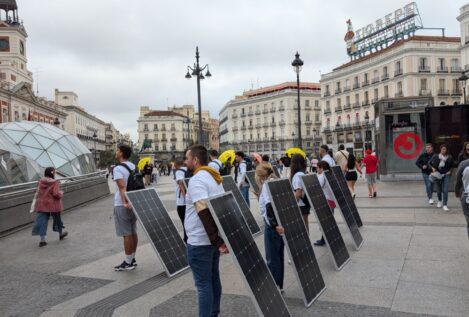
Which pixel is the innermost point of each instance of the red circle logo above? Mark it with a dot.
(408, 145)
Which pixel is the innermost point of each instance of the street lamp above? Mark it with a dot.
(463, 80)
(197, 71)
(188, 122)
(95, 137)
(297, 63)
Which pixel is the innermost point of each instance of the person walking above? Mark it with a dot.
(370, 162)
(147, 170)
(341, 158)
(351, 173)
(273, 241)
(214, 161)
(324, 153)
(48, 203)
(180, 174)
(461, 189)
(322, 167)
(441, 165)
(424, 165)
(298, 169)
(464, 155)
(240, 176)
(124, 219)
(204, 244)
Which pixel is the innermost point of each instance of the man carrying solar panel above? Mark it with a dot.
(204, 244)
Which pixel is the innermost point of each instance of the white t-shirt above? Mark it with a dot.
(201, 187)
(120, 172)
(325, 186)
(214, 164)
(297, 184)
(329, 160)
(241, 178)
(180, 175)
(264, 199)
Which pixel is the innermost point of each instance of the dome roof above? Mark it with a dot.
(43, 145)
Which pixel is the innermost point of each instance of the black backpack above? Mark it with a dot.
(135, 181)
(351, 161)
(249, 166)
(187, 173)
(222, 168)
(286, 161)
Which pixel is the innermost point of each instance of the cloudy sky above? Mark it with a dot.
(118, 55)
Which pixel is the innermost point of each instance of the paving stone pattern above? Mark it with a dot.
(185, 305)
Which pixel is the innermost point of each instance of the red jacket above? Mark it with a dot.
(49, 196)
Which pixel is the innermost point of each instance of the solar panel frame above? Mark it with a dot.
(251, 177)
(325, 217)
(177, 241)
(296, 233)
(276, 172)
(243, 234)
(230, 185)
(345, 210)
(339, 175)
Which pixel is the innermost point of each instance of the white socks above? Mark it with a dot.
(128, 258)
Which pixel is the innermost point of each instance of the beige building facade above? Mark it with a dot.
(265, 120)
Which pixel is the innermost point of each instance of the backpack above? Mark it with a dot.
(286, 161)
(249, 166)
(187, 173)
(222, 168)
(351, 161)
(135, 181)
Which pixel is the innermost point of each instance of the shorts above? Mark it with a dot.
(125, 221)
(371, 178)
(305, 210)
(351, 176)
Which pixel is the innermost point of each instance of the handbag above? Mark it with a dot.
(33, 203)
(434, 176)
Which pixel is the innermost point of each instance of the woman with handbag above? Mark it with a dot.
(441, 165)
(48, 202)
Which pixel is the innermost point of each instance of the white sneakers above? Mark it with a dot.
(445, 208)
(430, 201)
(439, 204)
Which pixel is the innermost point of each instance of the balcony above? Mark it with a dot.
(338, 91)
(250, 127)
(235, 129)
(327, 130)
(234, 116)
(250, 113)
(282, 123)
(424, 69)
(375, 80)
(163, 129)
(243, 115)
(164, 140)
(356, 105)
(338, 127)
(173, 139)
(338, 109)
(258, 112)
(357, 125)
(456, 69)
(347, 107)
(223, 120)
(265, 125)
(456, 92)
(224, 131)
(356, 85)
(443, 69)
(398, 72)
(443, 92)
(308, 122)
(308, 107)
(374, 100)
(425, 92)
(385, 77)
(327, 94)
(347, 88)
(347, 126)
(258, 125)
(365, 83)
(281, 108)
(265, 111)
(366, 103)
(399, 94)
(173, 129)
(327, 111)
(243, 128)
(273, 124)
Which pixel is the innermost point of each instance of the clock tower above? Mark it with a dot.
(13, 61)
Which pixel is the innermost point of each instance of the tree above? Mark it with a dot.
(107, 158)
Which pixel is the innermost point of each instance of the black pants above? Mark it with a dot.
(182, 214)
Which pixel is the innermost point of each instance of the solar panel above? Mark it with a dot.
(251, 177)
(160, 229)
(339, 175)
(297, 240)
(326, 220)
(276, 172)
(230, 185)
(242, 247)
(344, 208)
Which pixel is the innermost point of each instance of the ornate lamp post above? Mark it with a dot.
(197, 71)
(297, 64)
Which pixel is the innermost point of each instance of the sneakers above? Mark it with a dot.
(63, 235)
(134, 262)
(431, 201)
(124, 266)
(42, 244)
(440, 204)
(445, 208)
(320, 243)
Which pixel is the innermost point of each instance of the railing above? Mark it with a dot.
(327, 111)
(366, 103)
(356, 85)
(258, 125)
(281, 108)
(375, 80)
(173, 139)
(338, 91)
(443, 69)
(265, 111)
(456, 69)
(399, 94)
(234, 116)
(385, 77)
(308, 122)
(265, 125)
(272, 109)
(338, 109)
(347, 106)
(250, 113)
(243, 115)
(356, 105)
(243, 128)
(235, 129)
(443, 92)
(258, 112)
(424, 69)
(347, 88)
(327, 94)
(425, 92)
(250, 127)
(273, 124)
(456, 92)
(398, 72)
(365, 83)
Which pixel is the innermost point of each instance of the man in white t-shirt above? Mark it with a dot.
(124, 218)
(240, 176)
(214, 161)
(204, 244)
(179, 175)
(323, 152)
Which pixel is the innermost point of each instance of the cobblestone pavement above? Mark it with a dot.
(184, 305)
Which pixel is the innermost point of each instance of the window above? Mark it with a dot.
(308, 117)
(173, 126)
(17, 116)
(327, 89)
(386, 92)
(146, 136)
(155, 127)
(316, 103)
(307, 103)
(423, 84)
(357, 117)
(339, 103)
(399, 86)
(242, 110)
(164, 146)
(398, 67)
(308, 132)
(441, 84)
(65, 97)
(273, 119)
(376, 94)
(250, 124)
(385, 71)
(441, 63)
(347, 100)
(145, 127)
(366, 96)
(365, 77)
(357, 98)
(317, 117)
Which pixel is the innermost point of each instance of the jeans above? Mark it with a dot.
(428, 185)
(442, 189)
(274, 253)
(182, 215)
(245, 192)
(465, 209)
(204, 261)
(42, 219)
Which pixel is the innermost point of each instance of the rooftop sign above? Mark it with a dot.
(402, 22)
